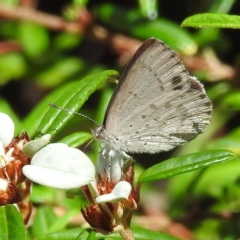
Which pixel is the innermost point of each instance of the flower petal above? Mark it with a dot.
(34, 146)
(60, 166)
(120, 191)
(6, 129)
(3, 184)
(111, 162)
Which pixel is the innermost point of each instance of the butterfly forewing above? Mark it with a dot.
(157, 105)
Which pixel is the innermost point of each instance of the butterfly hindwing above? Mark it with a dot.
(157, 105)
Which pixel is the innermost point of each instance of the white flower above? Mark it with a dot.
(6, 129)
(59, 166)
(6, 136)
(111, 162)
(14, 187)
(108, 190)
(121, 191)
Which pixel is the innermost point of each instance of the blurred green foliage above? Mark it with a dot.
(47, 63)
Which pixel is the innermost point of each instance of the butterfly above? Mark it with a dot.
(156, 105)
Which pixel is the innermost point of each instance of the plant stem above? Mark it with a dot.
(47, 20)
(125, 232)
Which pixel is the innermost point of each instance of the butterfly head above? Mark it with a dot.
(99, 133)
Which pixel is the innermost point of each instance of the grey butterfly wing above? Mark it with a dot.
(157, 105)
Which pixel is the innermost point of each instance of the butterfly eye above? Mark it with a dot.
(99, 133)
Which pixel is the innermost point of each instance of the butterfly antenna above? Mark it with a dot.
(71, 111)
(88, 144)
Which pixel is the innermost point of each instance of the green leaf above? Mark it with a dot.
(87, 234)
(135, 25)
(143, 234)
(229, 143)
(232, 101)
(34, 38)
(43, 221)
(183, 164)
(73, 98)
(63, 235)
(61, 222)
(60, 71)
(91, 235)
(32, 121)
(215, 180)
(149, 8)
(140, 233)
(235, 133)
(67, 41)
(221, 6)
(218, 20)
(12, 66)
(12, 226)
(166, 31)
(219, 90)
(13, 3)
(76, 139)
(43, 194)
